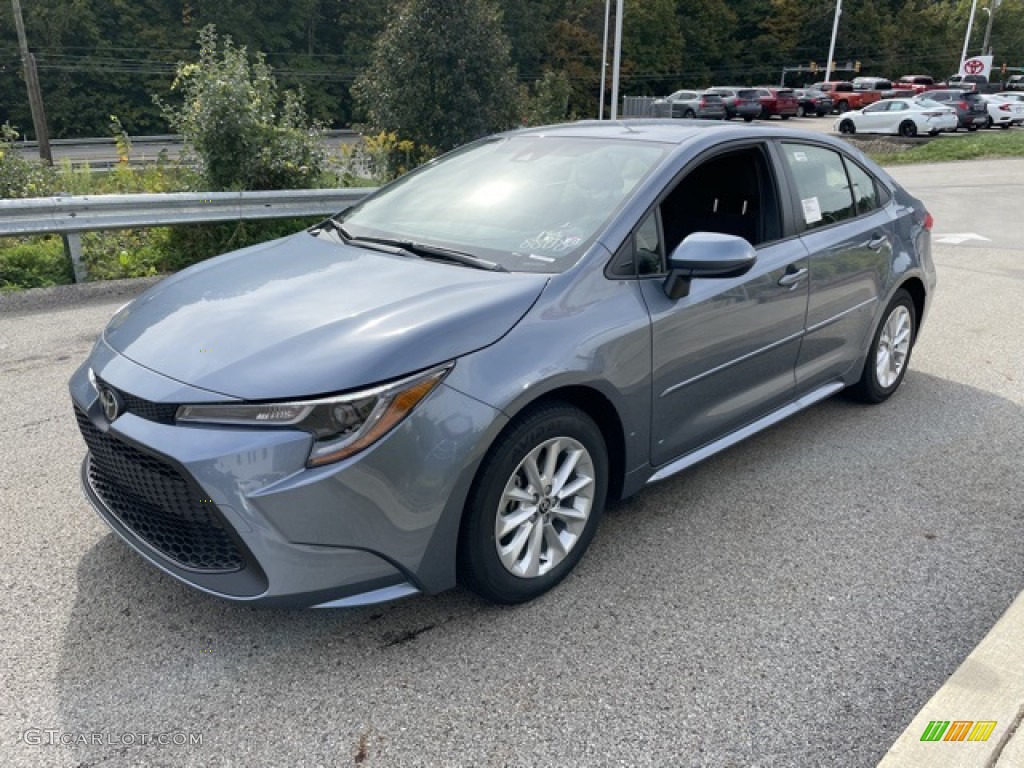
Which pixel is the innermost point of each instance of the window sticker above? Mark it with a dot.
(800, 157)
(812, 210)
(557, 241)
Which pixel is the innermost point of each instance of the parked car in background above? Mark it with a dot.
(886, 88)
(777, 101)
(690, 104)
(739, 102)
(1015, 83)
(905, 117)
(1011, 95)
(1002, 112)
(972, 113)
(448, 380)
(917, 83)
(845, 97)
(810, 101)
(968, 82)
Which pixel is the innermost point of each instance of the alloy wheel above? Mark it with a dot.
(544, 507)
(893, 346)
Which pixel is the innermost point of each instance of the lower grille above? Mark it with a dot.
(153, 500)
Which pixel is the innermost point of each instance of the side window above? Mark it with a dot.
(647, 246)
(865, 193)
(821, 183)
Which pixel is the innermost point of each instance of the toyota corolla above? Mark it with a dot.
(449, 380)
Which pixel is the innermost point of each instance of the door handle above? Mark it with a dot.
(793, 276)
(877, 241)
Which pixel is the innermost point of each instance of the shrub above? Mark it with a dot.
(20, 177)
(245, 134)
(35, 263)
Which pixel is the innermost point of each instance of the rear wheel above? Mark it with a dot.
(848, 127)
(908, 128)
(689, 114)
(842, 107)
(800, 111)
(989, 124)
(784, 117)
(933, 132)
(1004, 126)
(889, 354)
(748, 119)
(972, 127)
(535, 504)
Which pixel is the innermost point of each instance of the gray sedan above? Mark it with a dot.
(451, 379)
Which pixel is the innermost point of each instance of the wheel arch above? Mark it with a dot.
(918, 293)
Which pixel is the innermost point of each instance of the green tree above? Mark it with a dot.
(246, 134)
(440, 74)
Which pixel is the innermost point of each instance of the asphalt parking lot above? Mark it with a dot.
(791, 602)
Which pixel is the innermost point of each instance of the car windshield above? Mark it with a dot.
(528, 203)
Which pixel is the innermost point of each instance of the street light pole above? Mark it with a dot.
(967, 37)
(604, 56)
(993, 6)
(617, 60)
(832, 45)
(35, 96)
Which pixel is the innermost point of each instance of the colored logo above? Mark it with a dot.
(958, 730)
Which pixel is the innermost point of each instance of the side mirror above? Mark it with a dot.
(707, 254)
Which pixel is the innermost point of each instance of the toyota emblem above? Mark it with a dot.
(110, 402)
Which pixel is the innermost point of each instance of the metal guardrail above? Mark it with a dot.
(69, 216)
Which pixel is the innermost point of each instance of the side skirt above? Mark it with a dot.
(732, 438)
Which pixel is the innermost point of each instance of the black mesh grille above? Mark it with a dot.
(144, 409)
(153, 500)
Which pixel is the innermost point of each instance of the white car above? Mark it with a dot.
(1004, 110)
(906, 117)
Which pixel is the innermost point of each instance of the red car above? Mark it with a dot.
(918, 83)
(777, 101)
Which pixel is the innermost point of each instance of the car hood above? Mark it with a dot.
(306, 315)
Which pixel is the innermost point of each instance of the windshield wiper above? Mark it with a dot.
(376, 244)
(437, 252)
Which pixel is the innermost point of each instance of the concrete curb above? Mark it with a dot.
(988, 686)
(64, 296)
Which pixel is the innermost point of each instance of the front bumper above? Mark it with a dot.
(381, 524)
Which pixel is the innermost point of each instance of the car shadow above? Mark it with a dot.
(841, 518)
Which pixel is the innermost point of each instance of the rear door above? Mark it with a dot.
(850, 238)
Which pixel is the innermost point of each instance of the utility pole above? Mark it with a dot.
(992, 6)
(35, 96)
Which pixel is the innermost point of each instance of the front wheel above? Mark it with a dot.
(784, 117)
(689, 114)
(800, 111)
(535, 504)
(848, 127)
(748, 119)
(908, 128)
(842, 107)
(972, 127)
(889, 354)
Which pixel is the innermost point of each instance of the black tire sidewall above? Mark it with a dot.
(480, 568)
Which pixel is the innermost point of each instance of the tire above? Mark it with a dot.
(847, 127)
(908, 129)
(842, 107)
(972, 127)
(1004, 126)
(934, 132)
(522, 563)
(689, 114)
(989, 124)
(889, 353)
(748, 119)
(784, 117)
(800, 111)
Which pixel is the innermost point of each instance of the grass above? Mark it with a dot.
(988, 143)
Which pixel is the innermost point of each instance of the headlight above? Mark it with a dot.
(341, 426)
